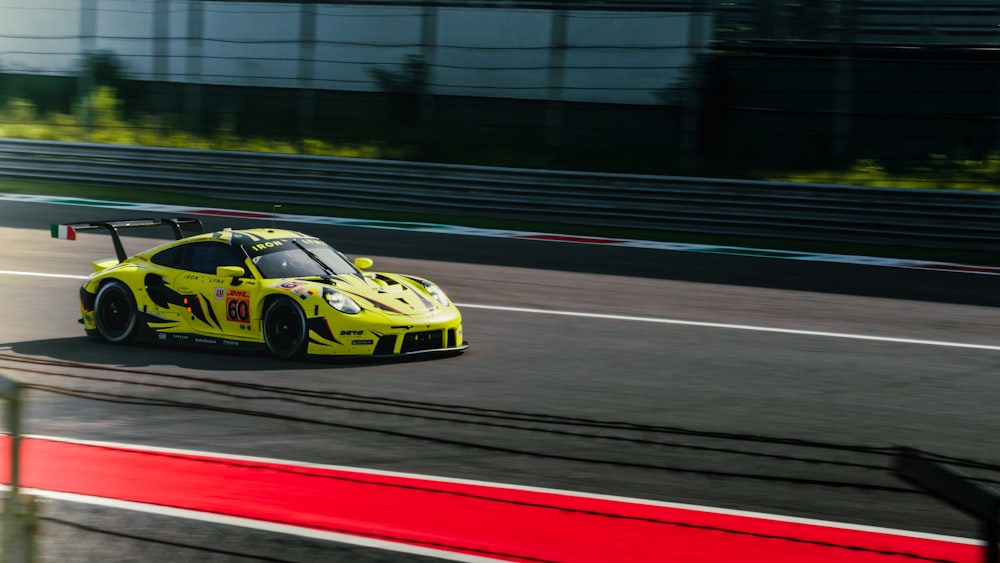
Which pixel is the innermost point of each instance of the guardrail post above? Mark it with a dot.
(19, 515)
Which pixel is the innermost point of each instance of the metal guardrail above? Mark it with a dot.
(927, 218)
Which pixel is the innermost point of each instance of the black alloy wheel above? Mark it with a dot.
(285, 331)
(115, 313)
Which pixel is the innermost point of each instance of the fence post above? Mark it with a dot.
(192, 87)
(306, 107)
(558, 33)
(85, 84)
(19, 515)
(693, 91)
(428, 51)
(843, 89)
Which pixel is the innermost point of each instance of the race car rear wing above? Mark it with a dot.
(178, 224)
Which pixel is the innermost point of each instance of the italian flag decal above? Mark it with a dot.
(64, 232)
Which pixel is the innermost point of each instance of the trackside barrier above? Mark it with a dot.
(20, 512)
(898, 216)
(956, 491)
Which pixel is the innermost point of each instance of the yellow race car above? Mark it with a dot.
(278, 289)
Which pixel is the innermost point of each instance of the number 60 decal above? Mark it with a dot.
(238, 308)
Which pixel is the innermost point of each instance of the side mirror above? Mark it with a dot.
(363, 263)
(230, 271)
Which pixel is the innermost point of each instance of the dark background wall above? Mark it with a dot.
(785, 86)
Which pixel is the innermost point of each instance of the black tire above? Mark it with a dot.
(285, 331)
(115, 313)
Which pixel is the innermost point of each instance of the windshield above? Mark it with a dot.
(296, 258)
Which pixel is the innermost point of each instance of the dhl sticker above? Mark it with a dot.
(238, 306)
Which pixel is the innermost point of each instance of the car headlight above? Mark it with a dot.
(437, 293)
(341, 302)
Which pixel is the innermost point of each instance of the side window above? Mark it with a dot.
(171, 257)
(207, 256)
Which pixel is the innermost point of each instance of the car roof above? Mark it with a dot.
(234, 237)
(245, 236)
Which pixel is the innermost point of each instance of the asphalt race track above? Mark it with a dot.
(748, 383)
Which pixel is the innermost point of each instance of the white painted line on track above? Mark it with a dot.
(286, 529)
(577, 494)
(41, 275)
(799, 332)
(656, 320)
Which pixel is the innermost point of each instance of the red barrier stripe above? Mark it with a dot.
(507, 523)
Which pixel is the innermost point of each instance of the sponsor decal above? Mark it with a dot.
(200, 340)
(203, 278)
(183, 337)
(266, 245)
(220, 293)
(230, 343)
(238, 306)
(297, 288)
(303, 292)
(362, 342)
(352, 332)
(277, 245)
(161, 336)
(311, 241)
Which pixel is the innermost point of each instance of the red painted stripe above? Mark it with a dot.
(510, 524)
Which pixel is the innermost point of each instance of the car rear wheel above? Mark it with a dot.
(285, 330)
(115, 313)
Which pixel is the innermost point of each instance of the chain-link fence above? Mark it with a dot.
(664, 86)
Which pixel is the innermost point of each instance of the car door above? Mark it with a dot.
(215, 305)
(166, 312)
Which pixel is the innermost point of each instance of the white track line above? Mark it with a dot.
(224, 520)
(629, 318)
(41, 275)
(656, 320)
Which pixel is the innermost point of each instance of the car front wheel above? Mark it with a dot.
(115, 313)
(285, 330)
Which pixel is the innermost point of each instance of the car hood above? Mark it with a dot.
(391, 294)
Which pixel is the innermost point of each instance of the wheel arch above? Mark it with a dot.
(266, 302)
